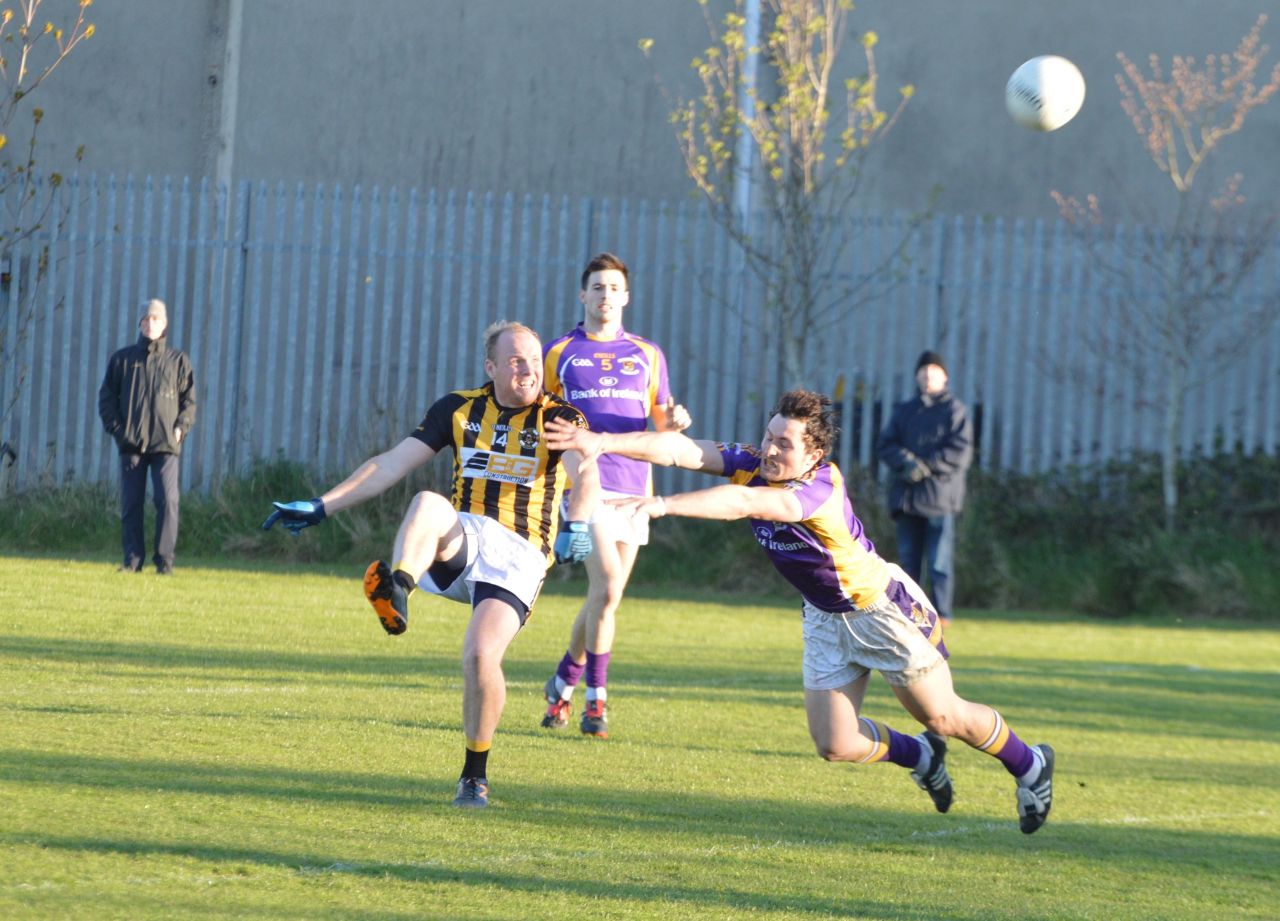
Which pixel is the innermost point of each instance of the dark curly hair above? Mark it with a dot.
(814, 410)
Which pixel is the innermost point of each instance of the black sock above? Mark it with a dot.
(405, 581)
(476, 764)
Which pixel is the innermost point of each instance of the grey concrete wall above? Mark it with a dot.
(553, 96)
(136, 94)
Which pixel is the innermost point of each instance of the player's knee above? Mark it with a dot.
(428, 504)
(944, 724)
(479, 658)
(609, 601)
(430, 513)
(606, 594)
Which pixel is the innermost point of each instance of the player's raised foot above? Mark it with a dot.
(594, 721)
(558, 709)
(473, 793)
(388, 597)
(1035, 799)
(935, 780)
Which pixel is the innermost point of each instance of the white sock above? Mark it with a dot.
(564, 690)
(926, 755)
(596, 694)
(1033, 775)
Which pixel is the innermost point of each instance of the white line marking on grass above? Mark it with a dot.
(1191, 817)
(960, 830)
(249, 689)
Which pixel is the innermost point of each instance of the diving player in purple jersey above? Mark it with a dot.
(859, 612)
(619, 382)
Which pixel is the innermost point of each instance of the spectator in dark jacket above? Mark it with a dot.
(928, 446)
(147, 402)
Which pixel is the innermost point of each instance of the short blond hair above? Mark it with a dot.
(497, 329)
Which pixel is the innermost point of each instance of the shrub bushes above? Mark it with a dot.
(1079, 539)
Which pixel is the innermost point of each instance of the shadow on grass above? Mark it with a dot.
(725, 820)
(726, 815)
(168, 659)
(668, 895)
(1195, 702)
(1165, 699)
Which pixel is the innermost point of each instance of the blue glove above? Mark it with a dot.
(573, 544)
(296, 515)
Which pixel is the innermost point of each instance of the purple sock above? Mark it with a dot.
(1016, 756)
(597, 669)
(569, 671)
(890, 745)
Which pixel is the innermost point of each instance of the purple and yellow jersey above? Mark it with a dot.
(616, 383)
(826, 555)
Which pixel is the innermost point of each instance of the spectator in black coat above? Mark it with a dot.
(928, 446)
(147, 402)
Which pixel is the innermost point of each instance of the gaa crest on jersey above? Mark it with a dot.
(629, 366)
(529, 438)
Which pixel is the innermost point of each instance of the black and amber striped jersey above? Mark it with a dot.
(502, 468)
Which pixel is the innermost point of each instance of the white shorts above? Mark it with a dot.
(894, 636)
(495, 555)
(610, 523)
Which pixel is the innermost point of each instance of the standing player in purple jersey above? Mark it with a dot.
(859, 612)
(619, 382)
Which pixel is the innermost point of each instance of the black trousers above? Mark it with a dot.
(164, 493)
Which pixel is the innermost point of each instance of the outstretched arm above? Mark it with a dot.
(667, 449)
(378, 474)
(374, 476)
(724, 503)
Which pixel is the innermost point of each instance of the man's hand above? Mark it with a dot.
(915, 471)
(561, 435)
(296, 515)
(677, 417)
(573, 544)
(653, 506)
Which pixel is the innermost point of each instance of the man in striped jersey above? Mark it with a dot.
(859, 612)
(491, 544)
(619, 381)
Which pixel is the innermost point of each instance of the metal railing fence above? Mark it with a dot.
(323, 321)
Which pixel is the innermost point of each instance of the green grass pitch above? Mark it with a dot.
(241, 744)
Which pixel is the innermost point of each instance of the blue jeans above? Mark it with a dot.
(932, 542)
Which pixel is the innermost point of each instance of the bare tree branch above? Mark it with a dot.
(1180, 284)
(807, 178)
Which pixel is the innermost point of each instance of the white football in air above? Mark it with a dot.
(1045, 93)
